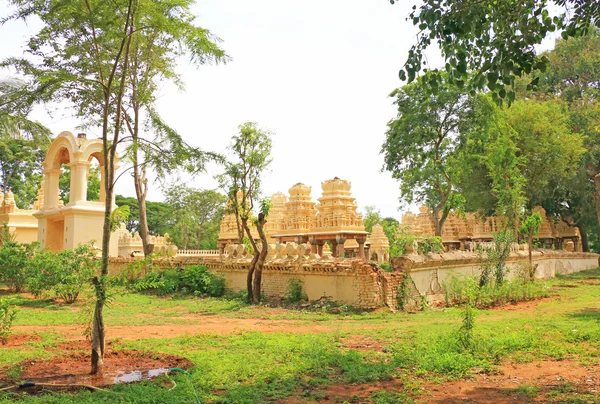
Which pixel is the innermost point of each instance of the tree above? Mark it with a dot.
(420, 148)
(573, 76)
(80, 55)
(549, 150)
(251, 150)
(530, 226)
(23, 144)
(169, 33)
(159, 214)
(197, 214)
(371, 217)
(488, 43)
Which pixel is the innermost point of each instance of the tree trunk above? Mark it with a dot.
(250, 275)
(438, 222)
(98, 334)
(109, 150)
(141, 191)
(585, 244)
(261, 258)
(530, 244)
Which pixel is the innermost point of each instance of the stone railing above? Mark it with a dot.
(198, 253)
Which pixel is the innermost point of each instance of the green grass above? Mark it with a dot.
(256, 367)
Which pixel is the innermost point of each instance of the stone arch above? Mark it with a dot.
(80, 221)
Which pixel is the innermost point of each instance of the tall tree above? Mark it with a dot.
(23, 143)
(169, 33)
(242, 178)
(197, 216)
(81, 55)
(420, 149)
(488, 43)
(159, 214)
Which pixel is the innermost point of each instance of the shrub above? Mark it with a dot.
(465, 290)
(7, 315)
(41, 271)
(14, 260)
(199, 280)
(73, 271)
(294, 292)
(196, 279)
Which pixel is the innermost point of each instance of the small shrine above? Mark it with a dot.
(20, 222)
(380, 245)
(297, 219)
(80, 221)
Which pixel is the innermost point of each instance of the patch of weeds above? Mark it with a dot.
(385, 397)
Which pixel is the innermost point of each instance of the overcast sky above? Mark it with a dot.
(316, 73)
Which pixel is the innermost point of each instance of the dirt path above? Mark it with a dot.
(208, 325)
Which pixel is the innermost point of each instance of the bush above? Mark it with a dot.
(66, 272)
(196, 279)
(199, 280)
(74, 269)
(14, 260)
(41, 271)
(465, 290)
(7, 315)
(294, 292)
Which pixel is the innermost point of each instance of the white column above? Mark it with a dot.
(51, 188)
(79, 172)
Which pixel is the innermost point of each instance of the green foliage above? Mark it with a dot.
(493, 258)
(195, 216)
(371, 216)
(67, 272)
(41, 272)
(403, 291)
(421, 147)
(432, 244)
(7, 316)
(470, 33)
(531, 224)
(199, 280)
(403, 238)
(74, 270)
(160, 215)
(118, 216)
(194, 279)
(93, 183)
(14, 260)
(465, 332)
(294, 292)
(467, 291)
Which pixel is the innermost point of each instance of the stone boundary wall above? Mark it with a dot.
(363, 285)
(351, 282)
(431, 271)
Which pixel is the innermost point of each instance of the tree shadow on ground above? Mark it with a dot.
(48, 304)
(577, 276)
(588, 314)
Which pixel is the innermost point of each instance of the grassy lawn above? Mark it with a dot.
(305, 355)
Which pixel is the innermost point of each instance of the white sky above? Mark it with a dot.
(317, 73)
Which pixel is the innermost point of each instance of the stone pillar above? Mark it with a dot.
(320, 244)
(576, 244)
(78, 187)
(51, 190)
(313, 246)
(361, 248)
(340, 242)
(334, 249)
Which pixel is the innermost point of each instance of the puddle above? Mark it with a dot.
(138, 375)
